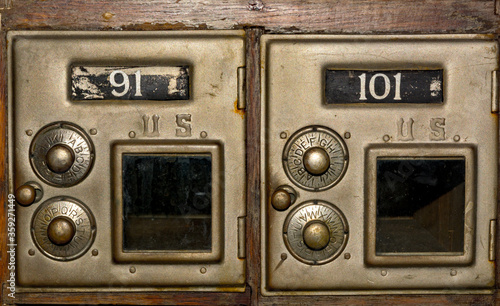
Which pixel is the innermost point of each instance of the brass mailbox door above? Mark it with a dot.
(379, 164)
(127, 156)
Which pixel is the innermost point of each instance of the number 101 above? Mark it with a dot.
(387, 86)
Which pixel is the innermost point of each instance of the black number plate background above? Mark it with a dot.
(416, 86)
(156, 83)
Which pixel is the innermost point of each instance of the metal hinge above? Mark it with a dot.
(242, 101)
(242, 225)
(492, 240)
(494, 91)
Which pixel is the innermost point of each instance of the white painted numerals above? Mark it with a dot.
(387, 86)
(125, 83)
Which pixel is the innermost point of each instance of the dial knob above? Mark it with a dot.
(60, 158)
(61, 231)
(316, 161)
(281, 199)
(316, 235)
(25, 195)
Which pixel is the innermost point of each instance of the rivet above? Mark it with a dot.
(203, 270)
(283, 135)
(284, 256)
(31, 252)
(456, 138)
(132, 269)
(347, 135)
(29, 132)
(93, 131)
(386, 138)
(453, 272)
(95, 252)
(347, 255)
(131, 134)
(383, 272)
(203, 134)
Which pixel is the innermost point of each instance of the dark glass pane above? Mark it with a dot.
(167, 202)
(420, 205)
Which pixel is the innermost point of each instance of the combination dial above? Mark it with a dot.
(61, 154)
(315, 158)
(63, 228)
(315, 232)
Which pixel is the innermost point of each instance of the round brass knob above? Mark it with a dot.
(60, 158)
(281, 199)
(316, 235)
(61, 231)
(25, 195)
(316, 161)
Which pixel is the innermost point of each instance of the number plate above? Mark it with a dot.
(397, 86)
(130, 83)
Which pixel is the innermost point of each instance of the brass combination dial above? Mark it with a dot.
(315, 232)
(63, 228)
(315, 158)
(61, 154)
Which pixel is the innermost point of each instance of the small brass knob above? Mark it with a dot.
(281, 199)
(60, 158)
(316, 235)
(316, 161)
(61, 231)
(25, 195)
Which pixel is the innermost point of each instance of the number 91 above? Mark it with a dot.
(125, 83)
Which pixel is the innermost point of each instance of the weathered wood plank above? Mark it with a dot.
(387, 300)
(135, 298)
(253, 158)
(337, 16)
(3, 172)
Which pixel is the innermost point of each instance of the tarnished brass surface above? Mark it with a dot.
(316, 235)
(315, 158)
(281, 199)
(315, 232)
(462, 127)
(316, 161)
(59, 158)
(62, 154)
(25, 194)
(44, 116)
(63, 228)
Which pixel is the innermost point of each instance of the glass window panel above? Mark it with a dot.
(420, 205)
(167, 202)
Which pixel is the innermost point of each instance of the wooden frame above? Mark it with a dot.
(257, 17)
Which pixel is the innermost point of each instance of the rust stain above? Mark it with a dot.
(240, 112)
(107, 16)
